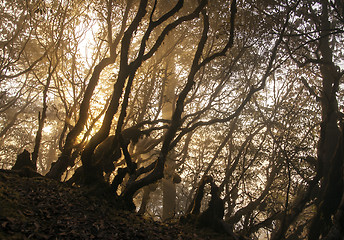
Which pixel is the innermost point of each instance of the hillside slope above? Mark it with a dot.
(40, 208)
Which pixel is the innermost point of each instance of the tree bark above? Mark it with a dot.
(158, 171)
(168, 187)
(60, 166)
(91, 174)
(41, 118)
(330, 149)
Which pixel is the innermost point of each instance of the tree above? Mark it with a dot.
(247, 93)
(318, 51)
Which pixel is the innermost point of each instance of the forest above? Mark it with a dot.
(226, 114)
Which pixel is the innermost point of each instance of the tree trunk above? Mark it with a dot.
(158, 171)
(41, 118)
(65, 160)
(330, 149)
(168, 187)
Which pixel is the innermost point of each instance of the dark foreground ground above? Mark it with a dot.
(40, 208)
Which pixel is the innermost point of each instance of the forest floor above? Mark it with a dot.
(41, 208)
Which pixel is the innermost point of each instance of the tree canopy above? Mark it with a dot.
(229, 109)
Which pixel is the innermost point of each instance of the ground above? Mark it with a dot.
(41, 208)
